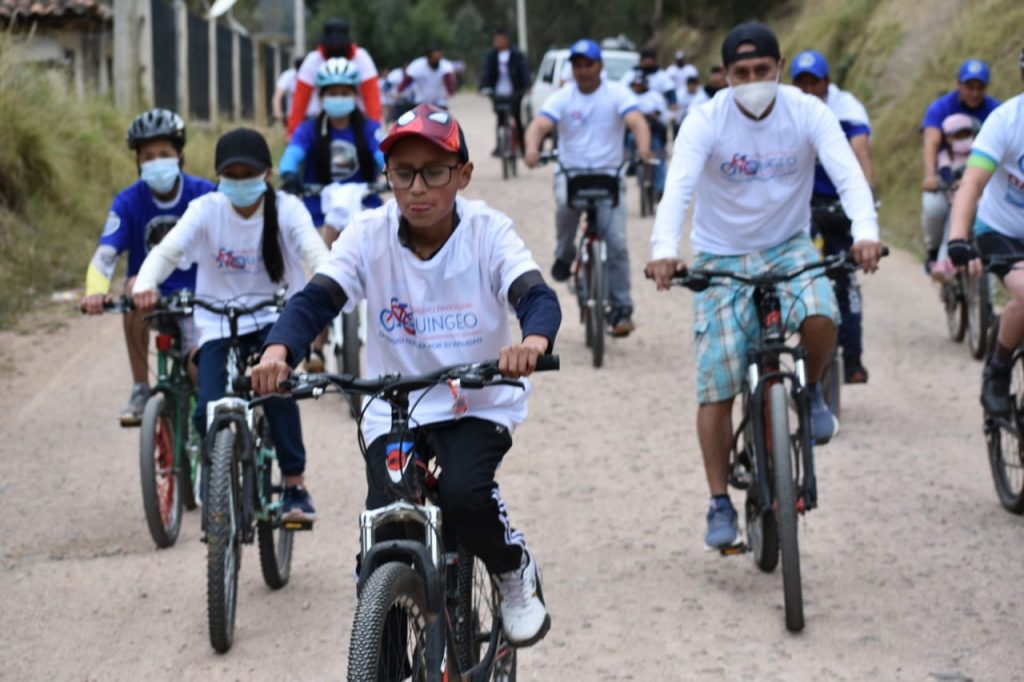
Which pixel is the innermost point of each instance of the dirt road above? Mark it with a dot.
(912, 570)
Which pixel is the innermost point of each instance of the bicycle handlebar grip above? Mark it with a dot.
(243, 384)
(548, 363)
(885, 251)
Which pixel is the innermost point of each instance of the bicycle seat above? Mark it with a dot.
(590, 189)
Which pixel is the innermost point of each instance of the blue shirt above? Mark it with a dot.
(950, 103)
(136, 223)
(822, 183)
(344, 161)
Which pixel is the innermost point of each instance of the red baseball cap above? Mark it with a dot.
(432, 123)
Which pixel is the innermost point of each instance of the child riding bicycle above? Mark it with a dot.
(248, 241)
(443, 272)
(139, 218)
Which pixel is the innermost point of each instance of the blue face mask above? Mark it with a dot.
(161, 174)
(339, 106)
(243, 193)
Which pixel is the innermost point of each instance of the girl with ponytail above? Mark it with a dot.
(248, 241)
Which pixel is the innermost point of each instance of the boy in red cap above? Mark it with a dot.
(452, 269)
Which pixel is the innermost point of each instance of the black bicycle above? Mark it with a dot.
(770, 459)
(507, 135)
(428, 611)
(242, 487)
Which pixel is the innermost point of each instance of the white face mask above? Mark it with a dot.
(756, 97)
(962, 146)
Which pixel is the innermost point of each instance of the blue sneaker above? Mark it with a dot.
(824, 425)
(297, 505)
(722, 529)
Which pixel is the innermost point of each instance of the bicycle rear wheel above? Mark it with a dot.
(161, 489)
(503, 151)
(478, 634)
(275, 541)
(785, 507)
(223, 544)
(979, 313)
(1005, 453)
(350, 357)
(956, 311)
(389, 633)
(596, 302)
(832, 381)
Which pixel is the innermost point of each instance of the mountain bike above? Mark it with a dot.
(169, 462)
(242, 487)
(589, 189)
(772, 454)
(507, 135)
(428, 610)
(646, 171)
(1003, 437)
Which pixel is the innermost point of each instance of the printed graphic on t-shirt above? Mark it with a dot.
(446, 325)
(238, 261)
(110, 227)
(1015, 187)
(344, 160)
(157, 228)
(764, 167)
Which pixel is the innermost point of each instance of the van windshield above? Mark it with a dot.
(616, 66)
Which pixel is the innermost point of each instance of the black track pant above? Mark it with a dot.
(469, 452)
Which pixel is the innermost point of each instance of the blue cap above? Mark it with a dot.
(974, 70)
(585, 48)
(812, 62)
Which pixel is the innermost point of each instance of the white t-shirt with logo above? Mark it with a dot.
(1001, 140)
(590, 127)
(315, 59)
(424, 315)
(753, 179)
(429, 83)
(504, 85)
(229, 251)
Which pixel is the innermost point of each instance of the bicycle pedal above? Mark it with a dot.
(297, 525)
(733, 550)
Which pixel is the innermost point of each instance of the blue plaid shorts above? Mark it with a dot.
(725, 320)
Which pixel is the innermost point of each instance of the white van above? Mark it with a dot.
(555, 70)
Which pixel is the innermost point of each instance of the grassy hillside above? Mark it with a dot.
(896, 56)
(61, 163)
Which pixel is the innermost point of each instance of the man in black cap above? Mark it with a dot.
(336, 41)
(749, 158)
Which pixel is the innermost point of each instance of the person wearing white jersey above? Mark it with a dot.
(688, 96)
(248, 241)
(657, 78)
(675, 70)
(440, 275)
(748, 156)
(995, 173)
(592, 115)
(432, 78)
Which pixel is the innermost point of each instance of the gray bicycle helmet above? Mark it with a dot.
(157, 124)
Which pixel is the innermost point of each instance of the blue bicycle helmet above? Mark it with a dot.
(337, 71)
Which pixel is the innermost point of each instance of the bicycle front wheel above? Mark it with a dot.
(956, 310)
(979, 313)
(223, 544)
(389, 633)
(1005, 453)
(161, 492)
(596, 303)
(504, 151)
(479, 639)
(785, 507)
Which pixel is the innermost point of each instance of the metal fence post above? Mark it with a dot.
(236, 75)
(214, 113)
(181, 34)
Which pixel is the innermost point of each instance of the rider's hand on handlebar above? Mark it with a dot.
(531, 158)
(271, 371)
(145, 300)
(93, 305)
(520, 361)
(963, 254)
(662, 270)
(931, 183)
(867, 253)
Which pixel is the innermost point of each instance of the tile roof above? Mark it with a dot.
(57, 10)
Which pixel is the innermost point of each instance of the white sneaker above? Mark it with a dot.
(524, 618)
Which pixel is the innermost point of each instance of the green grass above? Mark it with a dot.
(62, 161)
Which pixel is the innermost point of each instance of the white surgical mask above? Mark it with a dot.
(756, 97)
(962, 146)
(160, 174)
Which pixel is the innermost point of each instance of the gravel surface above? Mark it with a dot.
(912, 570)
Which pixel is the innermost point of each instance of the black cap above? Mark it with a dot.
(242, 145)
(760, 36)
(336, 31)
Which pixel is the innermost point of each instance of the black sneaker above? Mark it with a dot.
(297, 505)
(995, 391)
(561, 270)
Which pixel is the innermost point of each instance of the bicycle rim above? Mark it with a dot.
(761, 525)
(1004, 446)
(224, 549)
(480, 643)
(274, 540)
(596, 304)
(785, 508)
(956, 313)
(978, 314)
(161, 494)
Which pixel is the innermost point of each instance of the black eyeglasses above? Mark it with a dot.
(433, 176)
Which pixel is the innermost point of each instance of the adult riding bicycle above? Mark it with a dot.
(169, 462)
(428, 611)
(242, 488)
(773, 457)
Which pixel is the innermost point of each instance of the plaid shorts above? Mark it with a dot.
(725, 318)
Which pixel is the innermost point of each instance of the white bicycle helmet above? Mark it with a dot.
(337, 71)
(157, 124)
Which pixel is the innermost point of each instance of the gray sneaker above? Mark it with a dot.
(824, 424)
(131, 413)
